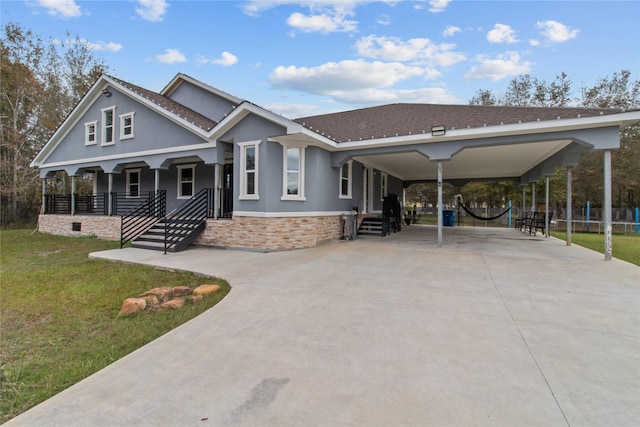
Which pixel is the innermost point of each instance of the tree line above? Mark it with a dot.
(41, 81)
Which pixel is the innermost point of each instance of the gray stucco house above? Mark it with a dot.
(248, 178)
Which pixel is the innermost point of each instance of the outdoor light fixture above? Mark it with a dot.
(106, 92)
(437, 130)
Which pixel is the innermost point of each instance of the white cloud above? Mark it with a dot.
(502, 33)
(555, 32)
(372, 96)
(322, 23)
(339, 77)
(384, 20)
(226, 59)
(436, 6)
(61, 8)
(105, 46)
(505, 65)
(419, 49)
(451, 30)
(171, 56)
(152, 10)
(534, 42)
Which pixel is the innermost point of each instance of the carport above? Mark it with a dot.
(463, 143)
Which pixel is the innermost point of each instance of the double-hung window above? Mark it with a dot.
(293, 173)
(345, 180)
(133, 183)
(90, 133)
(249, 170)
(126, 126)
(186, 181)
(108, 125)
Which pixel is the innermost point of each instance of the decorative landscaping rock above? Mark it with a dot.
(207, 289)
(167, 298)
(174, 304)
(164, 293)
(132, 305)
(180, 291)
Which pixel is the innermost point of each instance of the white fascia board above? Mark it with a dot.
(172, 150)
(246, 108)
(89, 99)
(70, 121)
(527, 128)
(180, 77)
(289, 214)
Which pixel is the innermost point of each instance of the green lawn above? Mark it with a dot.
(626, 248)
(58, 311)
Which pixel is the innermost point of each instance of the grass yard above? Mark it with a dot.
(58, 311)
(626, 248)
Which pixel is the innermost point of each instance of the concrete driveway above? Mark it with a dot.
(495, 328)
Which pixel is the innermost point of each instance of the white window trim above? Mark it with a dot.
(300, 196)
(87, 133)
(243, 173)
(113, 126)
(122, 127)
(349, 195)
(179, 196)
(384, 185)
(128, 188)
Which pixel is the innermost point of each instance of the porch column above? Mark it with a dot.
(95, 183)
(524, 199)
(44, 195)
(109, 195)
(216, 190)
(546, 207)
(439, 204)
(608, 230)
(73, 194)
(156, 185)
(569, 205)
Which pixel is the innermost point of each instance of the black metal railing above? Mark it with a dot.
(96, 204)
(142, 217)
(187, 217)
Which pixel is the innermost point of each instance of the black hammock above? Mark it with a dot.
(482, 218)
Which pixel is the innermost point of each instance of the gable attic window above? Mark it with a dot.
(107, 125)
(345, 180)
(293, 173)
(126, 126)
(249, 168)
(90, 133)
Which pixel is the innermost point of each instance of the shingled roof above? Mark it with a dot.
(408, 119)
(170, 105)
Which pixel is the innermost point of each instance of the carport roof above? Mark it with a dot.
(410, 119)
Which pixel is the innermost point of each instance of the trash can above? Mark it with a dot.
(448, 218)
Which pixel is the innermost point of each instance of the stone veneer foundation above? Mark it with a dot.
(104, 227)
(271, 233)
(241, 232)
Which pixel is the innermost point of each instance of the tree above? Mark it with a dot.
(40, 83)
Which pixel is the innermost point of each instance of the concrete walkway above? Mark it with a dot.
(495, 328)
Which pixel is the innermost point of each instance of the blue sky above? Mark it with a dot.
(301, 58)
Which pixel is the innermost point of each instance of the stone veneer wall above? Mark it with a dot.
(104, 227)
(241, 232)
(271, 234)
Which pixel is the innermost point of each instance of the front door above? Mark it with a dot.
(227, 191)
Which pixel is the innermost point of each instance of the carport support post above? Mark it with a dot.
(216, 192)
(569, 205)
(156, 182)
(533, 197)
(608, 231)
(439, 204)
(546, 207)
(524, 200)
